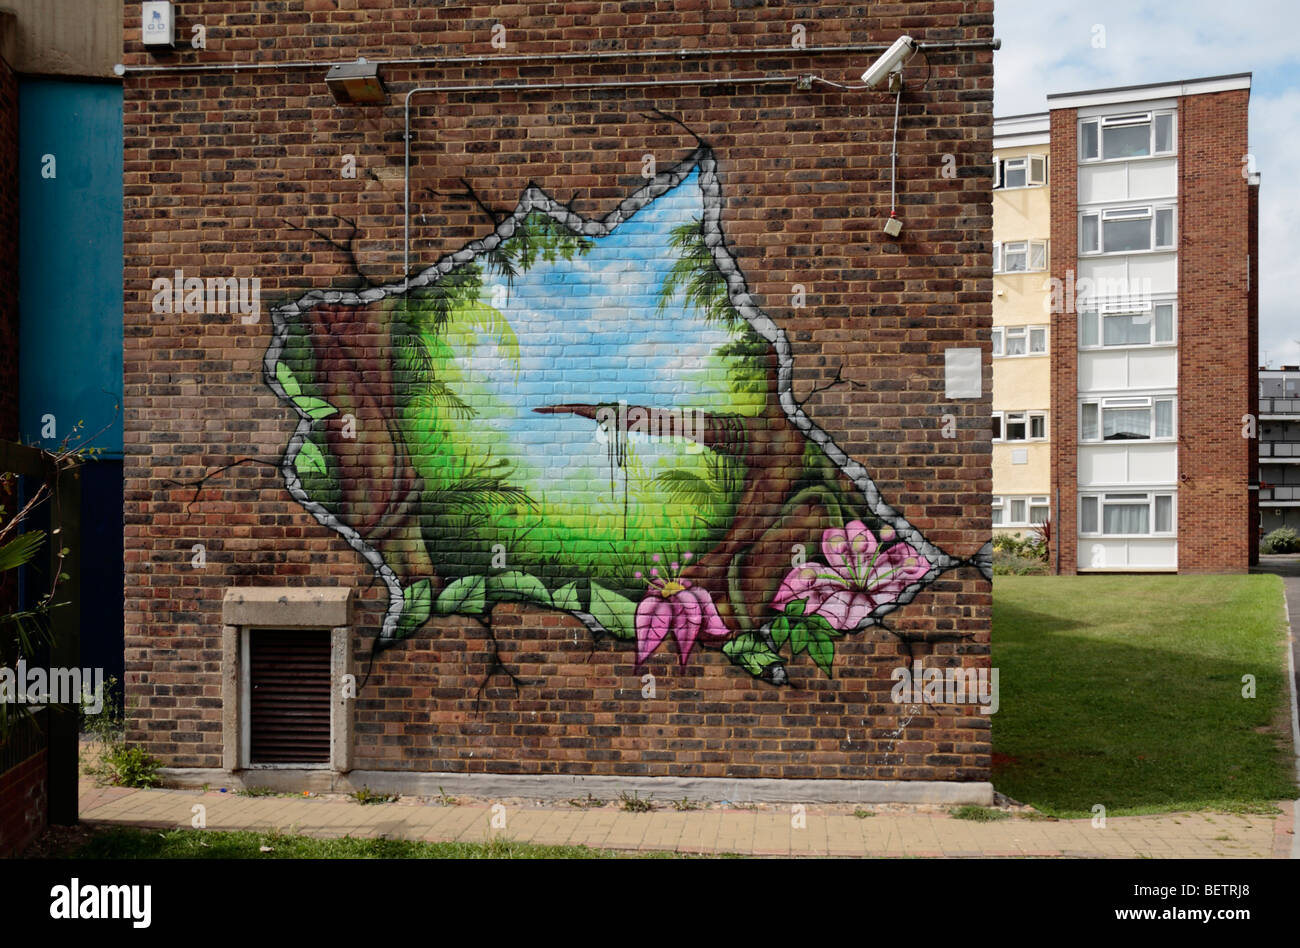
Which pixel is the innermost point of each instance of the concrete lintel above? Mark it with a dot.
(287, 607)
(566, 786)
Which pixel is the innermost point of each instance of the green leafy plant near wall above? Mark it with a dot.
(117, 762)
(25, 633)
(592, 417)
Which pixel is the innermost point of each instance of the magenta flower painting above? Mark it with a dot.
(673, 604)
(861, 573)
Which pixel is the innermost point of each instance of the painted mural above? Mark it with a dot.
(594, 417)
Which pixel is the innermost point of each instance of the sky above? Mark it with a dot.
(1051, 46)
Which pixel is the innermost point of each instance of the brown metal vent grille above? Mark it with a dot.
(289, 684)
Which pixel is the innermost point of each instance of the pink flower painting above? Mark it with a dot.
(673, 604)
(861, 573)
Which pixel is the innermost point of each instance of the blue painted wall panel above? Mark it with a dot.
(70, 260)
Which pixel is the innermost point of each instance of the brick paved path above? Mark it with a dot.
(764, 831)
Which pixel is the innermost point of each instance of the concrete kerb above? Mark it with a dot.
(568, 786)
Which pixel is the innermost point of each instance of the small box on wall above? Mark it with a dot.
(158, 24)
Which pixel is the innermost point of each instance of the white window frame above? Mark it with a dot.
(1147, 307)
(1129, 497)
(1005, 503)
(1149, 212)
(1006, 418)
(1003, 335)
(1034, 167)
(1128, 120)
(1129, 402)
(1034, 251)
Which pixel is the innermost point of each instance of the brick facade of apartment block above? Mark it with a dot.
(239, 174)
(1064, 163)
(1217, 337)
(1217, 343)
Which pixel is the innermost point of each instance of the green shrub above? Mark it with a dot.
(119, 763)
(129, 766)
(1281, 540)
(1016, 564)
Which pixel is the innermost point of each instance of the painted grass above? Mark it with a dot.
(127, 843)
(1126, 691)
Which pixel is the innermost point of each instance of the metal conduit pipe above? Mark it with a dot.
(540, 59)
(623, 84)
(531, 87)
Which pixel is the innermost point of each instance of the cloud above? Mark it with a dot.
(1056, 46)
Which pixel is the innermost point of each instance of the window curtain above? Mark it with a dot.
(1127, 330)
(1125, 518)
(1164, 419)
(1125, 424)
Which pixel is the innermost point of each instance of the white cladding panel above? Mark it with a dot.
(1159, 268)
(1128, 181)
(1098, 183)
(1102, 370)
(1157, 554)
(1152, 179)
(1117, 465)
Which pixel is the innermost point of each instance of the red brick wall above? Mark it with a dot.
(219, 165)
(23, 804)
(1217, 337)
(1065, 336)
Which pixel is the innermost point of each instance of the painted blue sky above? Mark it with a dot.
(589, 331)
(1047, 47)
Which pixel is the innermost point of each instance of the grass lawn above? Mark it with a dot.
(120, 842)
(1126, 691)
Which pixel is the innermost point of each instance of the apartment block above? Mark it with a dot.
(1022, 463)
(1279, 448)
(1147, 269)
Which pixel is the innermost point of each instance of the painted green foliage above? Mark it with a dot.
(595, 424)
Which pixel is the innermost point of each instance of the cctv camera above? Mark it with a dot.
(890, 61)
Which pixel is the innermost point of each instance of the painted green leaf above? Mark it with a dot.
(818, 625)
(518, 585)
(751, 652)
(795, 607)
(822, 649)
(616, 613)
(566, 597)
(466, 596)
(798, 637)
(316, 408)
(417, 602)
(780, 631)
(310, 459)
(287, 381)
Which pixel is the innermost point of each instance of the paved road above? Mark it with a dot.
(1288, 567)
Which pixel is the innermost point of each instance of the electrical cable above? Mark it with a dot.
(893, 151)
